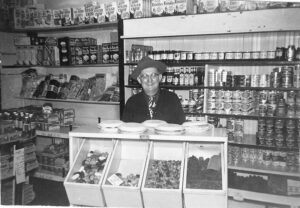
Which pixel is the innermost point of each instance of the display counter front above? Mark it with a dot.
(148, 169)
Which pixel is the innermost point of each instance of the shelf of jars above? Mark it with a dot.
(68, 28)
(72, 101)
(70, 66)
(252, 116)
(228, 62)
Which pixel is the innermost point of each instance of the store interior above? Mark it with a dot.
(66, 71)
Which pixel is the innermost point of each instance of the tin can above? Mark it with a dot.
(211, 94)
(263, 55)
(205, 56)
(189, 56)
(255, 55)
(296, 76)
(246, 55)
(213, 55)
(236, 95)
(183, 55)
(227, 107)
(170, 55)
(221, 55)
(227, 94)
(264, 80)
(283, 157)
(270, 54)
(279, 53)
(279, 140)
(219, 94)
(255, 80)
(237, 55)
(229, 55)
(197, 56)
(211, 106)
(290, 53)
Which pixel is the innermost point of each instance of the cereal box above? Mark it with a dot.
(78, 15)
(106, 52)
(180, 7)
(99, 13)
(89, 13)
(157, 8)
(208, 6)
(111, 11)
(169, 7)
(66, 16)
(123, 9)
(136, 8)
(114, 52)
(93, 54)
(57, 17)
(86, 54)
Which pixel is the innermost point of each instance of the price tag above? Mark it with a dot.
(19, 165)
(115, 180)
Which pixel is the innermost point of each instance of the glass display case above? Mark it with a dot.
(150, 169)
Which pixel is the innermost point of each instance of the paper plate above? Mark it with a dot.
(153, 123)
(169, 129)
(132, 127)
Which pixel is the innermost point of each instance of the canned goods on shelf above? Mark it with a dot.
(263, 55)
(271, 54)
(229, 55)
(255, 55)
(247, 55)
(255, 80)
(183, 55)
(170, 55)
(213, 55)
(237, 55)
(197, 56)
(164, 55)
(205, 56)
(221, 55)
(236, 94)
(189, 56)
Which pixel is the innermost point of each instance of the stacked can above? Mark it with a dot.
(255, 80)
(291, 161)
(263, 97)
(264, 80)
(291, 103)
(229, 79)
(238, 130)
(211, 77)
(211, 101)
(271, 103)
(228, 102)
(275, 78)
(269, 138)
(230, 122)
(220, 101)
(287, 76)
(296, 79)
(290, 133)
(261, 131)
(297, 105)
(246, 102)
(279, 132)
(236, 102)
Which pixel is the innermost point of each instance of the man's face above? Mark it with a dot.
(149, 79)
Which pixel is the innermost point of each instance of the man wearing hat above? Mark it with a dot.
(152, 102)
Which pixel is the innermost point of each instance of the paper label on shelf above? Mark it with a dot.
(19, 165)
(115, 180)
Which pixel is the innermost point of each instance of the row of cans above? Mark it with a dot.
(285, 76)
(261, 158)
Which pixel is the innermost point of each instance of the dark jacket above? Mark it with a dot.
(168, 108)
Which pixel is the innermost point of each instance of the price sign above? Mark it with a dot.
(19, 165)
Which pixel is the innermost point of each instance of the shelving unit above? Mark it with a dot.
(260, 30)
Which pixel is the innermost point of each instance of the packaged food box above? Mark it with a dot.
(83, 182)
(99, 13)
(162, 182)
(123, 9)
(122, 183)
(106, 52)
(204, 183)
(78, 15)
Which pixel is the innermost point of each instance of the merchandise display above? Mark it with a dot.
(91, 169)
(163, 174)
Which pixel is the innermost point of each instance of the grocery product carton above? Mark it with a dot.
(111, 10)
(162, 182)
(122, 182)
(99, 13)
(123, 9)
(78, 15)
(83, 181)
(204, 176)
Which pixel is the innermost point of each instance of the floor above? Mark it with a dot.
(49, 193)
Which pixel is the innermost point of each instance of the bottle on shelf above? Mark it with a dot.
(186, 76)
(181, 77)
(175, 80)
(191, 77)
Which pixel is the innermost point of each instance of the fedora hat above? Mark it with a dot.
(147, 62)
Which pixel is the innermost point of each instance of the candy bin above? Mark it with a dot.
(123, 179)
(204, 176)
(83, 182)
(162, 183)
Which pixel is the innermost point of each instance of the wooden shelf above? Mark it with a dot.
(213, 24)
(69, 66)
(260, 169)
(240, 195)
(68, 28)
(233, 62)
(246, 117)
(72, 101)
(63, 133)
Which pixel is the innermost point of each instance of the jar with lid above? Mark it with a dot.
(279, 53)
(163, 56)
(290, 53)
(170, 55)
(280, 110)
(176, 56)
